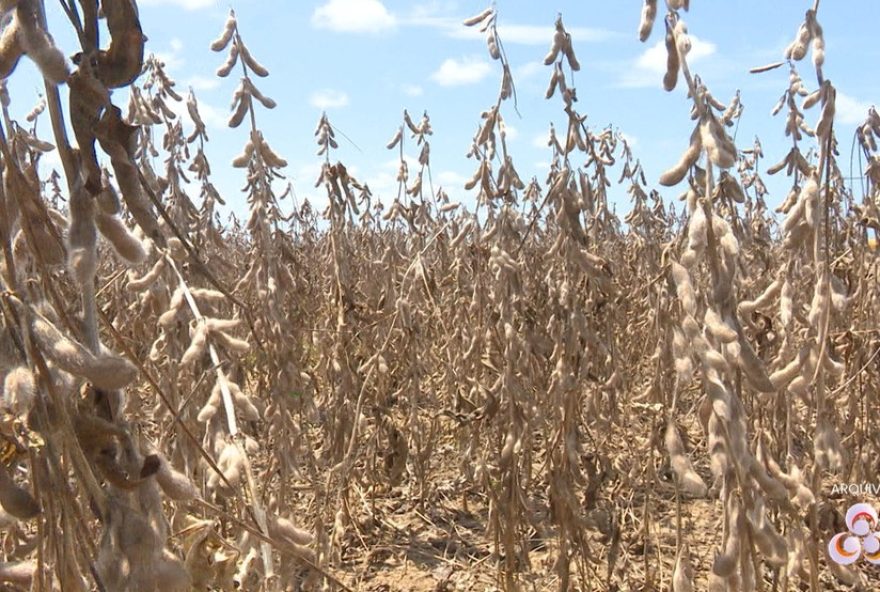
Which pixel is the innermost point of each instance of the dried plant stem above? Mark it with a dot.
(232, 426)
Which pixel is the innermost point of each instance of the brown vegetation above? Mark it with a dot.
(535, 395)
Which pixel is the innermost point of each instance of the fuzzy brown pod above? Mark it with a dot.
(766, 68)
(19, 573)
(726, 562)
(108, 199)
(687, 478)
(88, 98)
(208, 296)
(171, 574)
(39, 45)
(479, 18)
(557, 44)
(243, 160)
(771, 544)
(649, 14)
(459, 238)
(839, 294)
(792, 481)
(683, 364)
(225, 37)
(283, 529)
(826, 120)
(492, 43)
(116, 138)
(19, 391)
(770, 293)
(270, 157)
(811, 99)
(231, 464)
(249, 87)
(123, 60)
(797, 49)
(126, 244)
(193, 109)
(673, 60)
(682, 40)
(674, 175)
(754, 368)
(719, 327)
(18, 502)
(413, 128)
(105, 371)
(252, 63)
(174, 484)
(395, 140)
(684, 289)
(568, 48)
(149, 278)
(683, 574)
(198, 345)
(730, 187)
(718, 145)
(199, 558)
(140, 112)
(37, 144)
(718, 453)
(506, 83)
(82, 236)
(231, 59)
(781, 377)
(556, 79)
(222, 324)
(827, 446)
(212, 405)
(117, 475)
(241, 109)
(138, 541)
(11, 48)
(44, 236)
(243, 404)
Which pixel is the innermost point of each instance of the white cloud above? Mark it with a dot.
(454, 72)
(529, 70)
(647, 70)
(203, 83)
(451, 179)
(412, 90)
(850, 110)
(436, 17)
(215, 119)
(383, 186)
(187, 4)
(329, 99)
(172, 57)
(633, 141)
(540, 140)
(531, 34)
(304, 176)
(510, 132)
(393, 164)
(353, 16)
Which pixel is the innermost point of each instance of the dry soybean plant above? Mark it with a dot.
(533, 394)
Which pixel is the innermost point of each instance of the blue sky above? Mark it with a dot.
(364, 61)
